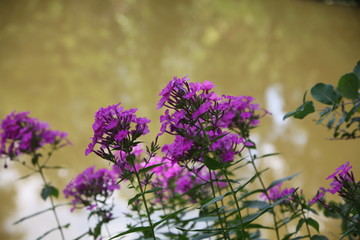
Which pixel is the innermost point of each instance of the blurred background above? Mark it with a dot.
(62, 60)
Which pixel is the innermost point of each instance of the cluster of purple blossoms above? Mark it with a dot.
(23, 134)
(177, 180)
(116, 129)
(200, 121)
(91, 187)
(275, 193)
(341, 179)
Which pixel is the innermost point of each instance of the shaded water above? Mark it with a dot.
(62, 60)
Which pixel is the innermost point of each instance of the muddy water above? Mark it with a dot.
(63, 60)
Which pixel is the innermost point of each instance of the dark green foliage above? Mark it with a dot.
(343, 102)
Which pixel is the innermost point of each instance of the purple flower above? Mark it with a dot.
(116, 129)
(275, 193)
(199, 120)
(178, 180)
(23, 134)
(91, 186)
(342, 178)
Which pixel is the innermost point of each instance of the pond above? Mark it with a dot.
(62, 60)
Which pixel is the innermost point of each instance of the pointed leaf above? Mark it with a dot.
(49, 190)
(171, 215)
(312, 222)
(357, 70)
(146, 169)
(212, 163)
(276, 182)
(132, 230)
(318, 237)
(299, 225)
(348, 86)
(302, 111)
(324, 93)
(213, 200)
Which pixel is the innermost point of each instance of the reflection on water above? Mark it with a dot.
(62, 60)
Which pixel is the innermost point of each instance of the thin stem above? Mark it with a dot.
(144, 200)
(237, 204)
(266, 193)
(306, 223)
(222, 203)
(40, 170)
(216, 205)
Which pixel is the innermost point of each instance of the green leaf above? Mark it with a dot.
(146, 169)
(348, 86)
(255, 204)
(49, 190)
(331, 121)
(312, 222)
(140, 194)
(302, 111)
(357, 70)
(276, 182)
(251, 217)
(212, 163)
(35, 158)
(287, 236)
(318, 237)
(37, 213)
(213, 200)
(171, 215)
(324, 93)
(132, 230)
(205, 235)
(299, 225)
(52, 230)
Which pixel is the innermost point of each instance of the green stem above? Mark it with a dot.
(222, 203)
(144, 200)
(306, 223)
(237, 204)
(40, 170)
(217, 206)
(266, 193)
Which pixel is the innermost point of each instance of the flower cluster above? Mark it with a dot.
(23, 134)
(200, 120)
(91, 187)
(116, 129)
(177, 180)
(240, 115)
(275, 193)
(342, 179)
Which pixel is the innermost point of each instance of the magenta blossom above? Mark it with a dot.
(91, 186)
(275, 193)
(341, 178)
(116, 129)
(200, 122)
(21, 134)
(179, 180)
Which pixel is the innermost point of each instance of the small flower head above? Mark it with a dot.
(176, 180)
(21, 134)
(91, 186)
(275, 193)
(343, 183)
(116, 129)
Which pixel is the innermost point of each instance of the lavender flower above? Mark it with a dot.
(342, 183)
(275, 193)
(90, 187)
(21, 134)
(116, 129)
(178, 180)
(199, 120)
